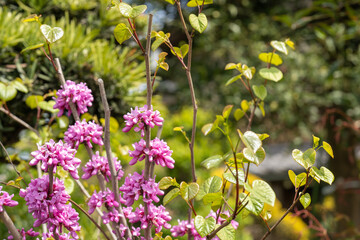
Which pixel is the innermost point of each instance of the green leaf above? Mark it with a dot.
(323, 174)
(251, 140)
(227, 233)
(306, 159)
(207, 128)
(299, 180)
(32, 47)
(170, 1)
(244, 105)
(280, 46)
(69, 185)
(305, 200)
(327, 147)
(125, 9)
(230, 177)
(230, 66)
(260, 91)
(238, 114)
(262, 191)
(247, 72)
(199, 23)
(212, 161)
(213, 199)
(211, 185)
(7, 92)
(195, 3)
(182, 51)
(204, 226)
(272, 74)
(32, 101)
(171, 195)
(188, 191)
(63, 122)
(316, 141)
(138, 10)
(18, 84)
(227, 110)
(290, 43)
(257, 157)
(51, 34)
(122, 33)
(253, 205)
(114, 124)
(165, 183)
(48, 106)
(263, 136)
(232, 80)
(270, 57)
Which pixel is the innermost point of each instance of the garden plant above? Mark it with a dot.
(137, 205)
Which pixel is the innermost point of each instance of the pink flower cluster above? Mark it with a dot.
(84, 132)
(98, 199)
(51, 209)
(23, 234)
(142, 117)
(53, 154)
(100, 164)
(159, 152)
(136, 186)
(64, 236)
(183, 226)
(79, 94)
(6, 200)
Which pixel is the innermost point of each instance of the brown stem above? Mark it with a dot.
(18, 120)
(114, 181)
(91, 219)
(10, 225)
(136, 38)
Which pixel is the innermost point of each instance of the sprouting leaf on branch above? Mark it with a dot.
(199, 23)
(279, 46)
(160, 38)
(122, 33)
(127, 11)
(182, 51)
(52, 34)
(161, 62)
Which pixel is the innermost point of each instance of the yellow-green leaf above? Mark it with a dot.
(270, 57)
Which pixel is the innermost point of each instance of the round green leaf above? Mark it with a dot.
(51, 34)
(48, 106)
(280, 46)
(69, 185)
(272, 74)
(251, 140)
(7, 92)
(262, 191)
(305, 200)
(253, 205)
(212, 161)
(323, 174)
(227, 233)
(260, 91)
(238, 114)
(270, 57)
(171, 195)
(231, 177)
(122, 33)
(125, 9)
(165, 183)
(199, 23)
(204, 226)
(211, 185)
(18, 84)
(136, 11)
(306, 159)
(33, 101)
(257, 157)
(188, 191)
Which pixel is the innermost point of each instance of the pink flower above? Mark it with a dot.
(159, 153)
(53, 154)
(97, 199)
(158, 216)
(64, 236)
(100, 164)
(51, 209)
(84, 132)
(111, 216)
(79, 94)
(182, 228)
(23, 234)
(142, 117)
(6, 200)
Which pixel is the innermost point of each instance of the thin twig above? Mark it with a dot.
(15, 118)
(91, 219)
(10, 225)
(115, 184)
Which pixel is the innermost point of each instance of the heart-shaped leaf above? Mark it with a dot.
(253, 204)
(260, 91)
(306, 159)
(262, 191)
(231, 177)
(211, 185)
(251, 140)
(257, 157)
(7, 92)
(204, 226)
(272, 74)
(227, 233)
(138, 10)
(199, 23)
(297, 180)
(323, 174)
(122, 33)
(280, 46)
(188, 191)
(305, 200)
(33, 101)
(51, 34)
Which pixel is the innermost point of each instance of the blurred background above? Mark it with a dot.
(320, 95)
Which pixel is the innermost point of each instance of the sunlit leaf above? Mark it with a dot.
(51, 34)
(273, 74)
